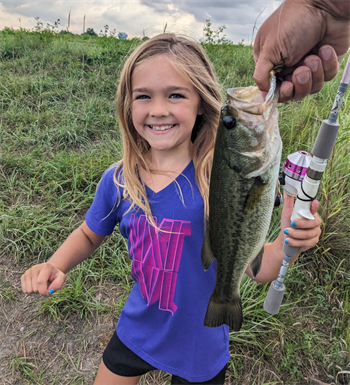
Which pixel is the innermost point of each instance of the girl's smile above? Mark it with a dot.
(164, 107)
(161, 127)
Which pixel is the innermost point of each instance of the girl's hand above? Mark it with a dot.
(42, 278)
(306, 233)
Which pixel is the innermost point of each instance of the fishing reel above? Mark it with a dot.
(293, 172)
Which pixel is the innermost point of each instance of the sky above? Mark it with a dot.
(140, 18)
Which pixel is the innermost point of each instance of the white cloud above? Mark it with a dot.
(138, 17)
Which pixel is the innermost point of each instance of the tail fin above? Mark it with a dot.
(229, 313)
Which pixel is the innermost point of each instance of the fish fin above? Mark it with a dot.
(229, 313)
(254, 195)
(207, 256)
(256, 264)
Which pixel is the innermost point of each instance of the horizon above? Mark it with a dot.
(241, 19)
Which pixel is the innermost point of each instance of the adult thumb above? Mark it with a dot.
(262, 72)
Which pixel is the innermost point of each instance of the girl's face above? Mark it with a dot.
(164, 106)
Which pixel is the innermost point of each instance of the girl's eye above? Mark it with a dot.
(176, 96)
(142, 97)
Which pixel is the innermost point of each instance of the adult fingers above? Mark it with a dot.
(302, 81)
(299, 83)
(309, 76)
(330, 62)
(315, 64)
(262, 73)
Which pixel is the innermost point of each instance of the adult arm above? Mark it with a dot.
(311, 36)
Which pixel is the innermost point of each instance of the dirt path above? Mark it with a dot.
(37, 350)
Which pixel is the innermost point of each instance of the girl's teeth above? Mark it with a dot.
(161, 128)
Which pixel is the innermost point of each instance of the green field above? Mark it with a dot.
(58, 133)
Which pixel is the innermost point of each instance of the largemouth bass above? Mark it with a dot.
(241, 197)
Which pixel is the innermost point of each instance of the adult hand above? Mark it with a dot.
(306, 232)
(310, 36)
(41, 278)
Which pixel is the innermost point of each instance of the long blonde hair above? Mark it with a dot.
(191, 61)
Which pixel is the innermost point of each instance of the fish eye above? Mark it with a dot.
(229, 122)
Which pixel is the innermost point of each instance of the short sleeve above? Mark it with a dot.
(102, 215)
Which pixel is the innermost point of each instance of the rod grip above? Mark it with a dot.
(325, 140)
(291, 251)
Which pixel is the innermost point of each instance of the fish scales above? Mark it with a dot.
(241, 199)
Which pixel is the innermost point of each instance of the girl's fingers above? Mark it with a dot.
(58, 282)
(50, 278)
(41, 278)
(303, 234)
(314, 207)
(28, 281)
(301, 223)
(23, 284)
(304, 244)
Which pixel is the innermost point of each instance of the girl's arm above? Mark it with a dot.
(305, 235)
(76, 248)
(80, 244)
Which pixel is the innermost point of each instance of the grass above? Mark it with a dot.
(58, 133)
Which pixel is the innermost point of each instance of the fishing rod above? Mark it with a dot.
(301, 177)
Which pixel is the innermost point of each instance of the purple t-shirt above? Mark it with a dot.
(162, 320)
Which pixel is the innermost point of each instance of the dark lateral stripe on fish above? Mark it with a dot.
(231, 263)
(224, 313)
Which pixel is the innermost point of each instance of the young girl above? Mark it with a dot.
(168, 103)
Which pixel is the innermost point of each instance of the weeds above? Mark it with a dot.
(59, 133)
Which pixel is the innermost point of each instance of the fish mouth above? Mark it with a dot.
(252, 107)
(251, 100)
(257, 116)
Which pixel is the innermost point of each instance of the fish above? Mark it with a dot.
(242, 194)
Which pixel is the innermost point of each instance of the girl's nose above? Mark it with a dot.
(159, 108)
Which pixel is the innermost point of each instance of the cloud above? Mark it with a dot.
(138, 17)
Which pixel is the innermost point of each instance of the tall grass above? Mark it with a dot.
(58, 133)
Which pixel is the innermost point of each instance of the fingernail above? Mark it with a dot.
(51, 291)
(46, 296)
(286, 241)
(303, 77)
(294, 224)
(313, 65)
(286, 232)
(325, 53)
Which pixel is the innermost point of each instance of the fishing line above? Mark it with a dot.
(306, 200)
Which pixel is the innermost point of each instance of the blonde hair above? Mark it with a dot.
(189, 58)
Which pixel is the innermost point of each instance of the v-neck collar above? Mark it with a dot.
(171, 187)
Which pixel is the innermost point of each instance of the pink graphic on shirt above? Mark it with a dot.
(156, 258)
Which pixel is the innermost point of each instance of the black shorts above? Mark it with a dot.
(119, 359)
